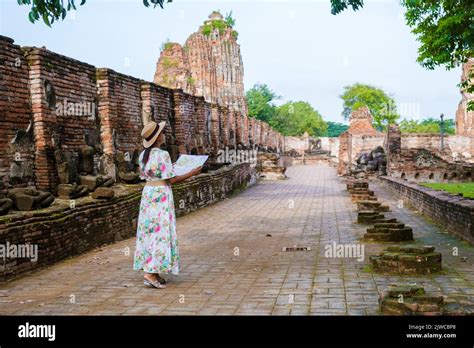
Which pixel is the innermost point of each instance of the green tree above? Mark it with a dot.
(54, 10)
(381, 106)
(340, 5)
(295, 118)
(429, 125)
(260, 100)
(444, 28)
(335, 129)
(229, 19)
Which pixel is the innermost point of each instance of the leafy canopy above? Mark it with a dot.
(444, 28)
(260, 100)
(338, 6)
(381, 106)
(292, 118)
(335, 129)
(54, 10)
(296, 118)
(429, 125)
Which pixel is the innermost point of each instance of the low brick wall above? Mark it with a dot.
(61, 231)
(212, 187)
(454, 213)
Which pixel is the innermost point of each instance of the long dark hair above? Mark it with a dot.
(146, 155)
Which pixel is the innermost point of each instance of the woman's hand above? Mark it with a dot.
(178, 179)
(196, 171)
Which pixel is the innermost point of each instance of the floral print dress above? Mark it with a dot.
(157, 242)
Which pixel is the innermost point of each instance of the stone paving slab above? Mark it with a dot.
(233, 263)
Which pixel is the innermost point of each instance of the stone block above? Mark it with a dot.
(103, 193)
(409, 260)
(72, 191)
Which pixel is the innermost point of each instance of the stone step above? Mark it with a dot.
(369, 216)
(389, 225)
(407, 260)
(368, 213)
(372, 205)
(357, 184)
(390, 235)
(377, 237)
(384, 220)
(356, 198)
(362, 191)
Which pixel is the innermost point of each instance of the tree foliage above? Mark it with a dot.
(230, 20)
(381, 106)
(338, 6)
(292, 118)
(53, 10)
(335, 129)
(429, 125)
(295, 118)
(444, 28)
(260, 100)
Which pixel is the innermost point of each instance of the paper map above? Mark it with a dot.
(186, 163)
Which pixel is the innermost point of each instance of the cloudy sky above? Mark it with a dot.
(295, 46)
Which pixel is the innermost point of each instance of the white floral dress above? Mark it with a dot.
(157, 242)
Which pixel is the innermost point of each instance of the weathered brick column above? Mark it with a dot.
(63, 99)
(120, 111)
(224, 125)
(215, 127)
(16, 151)
(184, 121)
(158, 106)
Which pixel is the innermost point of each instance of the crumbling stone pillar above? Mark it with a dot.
(393, 146)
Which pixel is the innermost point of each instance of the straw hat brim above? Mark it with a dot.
(148, 143)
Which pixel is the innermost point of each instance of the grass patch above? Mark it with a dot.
(466, 189)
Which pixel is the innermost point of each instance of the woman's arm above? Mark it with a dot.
(180, 178)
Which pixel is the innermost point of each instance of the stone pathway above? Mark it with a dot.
(233, 263)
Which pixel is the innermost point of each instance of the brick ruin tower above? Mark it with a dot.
(464, 118)
(209, 65)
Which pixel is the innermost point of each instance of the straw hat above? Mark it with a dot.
(151, 132)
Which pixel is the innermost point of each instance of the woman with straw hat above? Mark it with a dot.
(157, 243)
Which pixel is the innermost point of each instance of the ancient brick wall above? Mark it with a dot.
(465, 118)
(16, 131)
(245, 130)
(365, 143)
(61, 232)
(231, 128)
(63, 99)
(454, 214)
(419, 162)
(215, 127)
(360, 122)
(71, 104)
(344, 164)
(455, 146)
(185, 123)
(224, 125)
(157, 104)
(251, 127)
(203, 125)
(120, 110)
